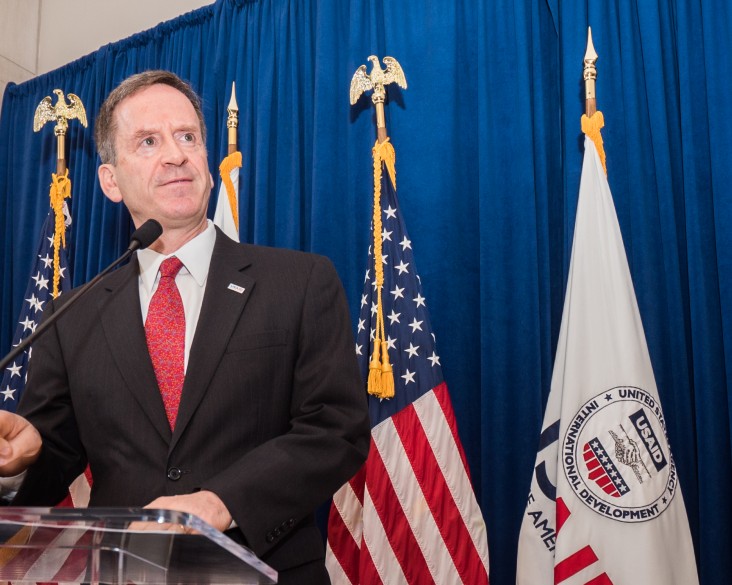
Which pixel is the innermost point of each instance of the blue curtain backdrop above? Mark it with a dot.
(489, 153)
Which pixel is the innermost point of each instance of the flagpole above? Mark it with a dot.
(593, 120)
(381, 377)
(60, 190)
(226, 215)
(590, 75)
(232, 121)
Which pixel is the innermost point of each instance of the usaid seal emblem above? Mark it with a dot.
(616, 458)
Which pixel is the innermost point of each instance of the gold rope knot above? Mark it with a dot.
(60, 190)
(591, 127)
(227, 165)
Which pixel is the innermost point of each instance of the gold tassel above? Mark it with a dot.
(591, 127)
(387, 374)
(227, 165)
(374, 383)
(60, 190)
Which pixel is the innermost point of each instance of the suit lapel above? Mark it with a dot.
(227, 292)
(121, 318)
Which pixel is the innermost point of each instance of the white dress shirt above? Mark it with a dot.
(191, 280)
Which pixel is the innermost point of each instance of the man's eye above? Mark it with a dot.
(189, 137)
(149, 141)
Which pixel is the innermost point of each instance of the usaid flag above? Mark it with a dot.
(605, 505)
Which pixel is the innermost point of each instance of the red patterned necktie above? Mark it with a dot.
(165, 329)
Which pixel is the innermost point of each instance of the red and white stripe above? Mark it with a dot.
(410, 515)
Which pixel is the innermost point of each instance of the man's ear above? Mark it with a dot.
(108, 182)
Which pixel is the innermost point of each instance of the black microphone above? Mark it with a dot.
(145, 235)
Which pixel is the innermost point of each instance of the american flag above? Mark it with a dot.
(410, 515)
(37, 294)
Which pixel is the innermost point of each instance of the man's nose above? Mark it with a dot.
(172, 153)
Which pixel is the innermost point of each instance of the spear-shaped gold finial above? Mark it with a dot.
(232, 121)
(60, 113)
(590, 75)
(377, 80)
(592, 121)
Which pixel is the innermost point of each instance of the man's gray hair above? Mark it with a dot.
(105, 128)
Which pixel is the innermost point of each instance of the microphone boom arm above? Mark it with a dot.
(142, 238)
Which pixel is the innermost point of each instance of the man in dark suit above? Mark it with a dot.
(269, 416)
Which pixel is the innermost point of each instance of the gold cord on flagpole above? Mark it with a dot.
(592, 119)
(230, 162)
(60, 190)
(381, 375)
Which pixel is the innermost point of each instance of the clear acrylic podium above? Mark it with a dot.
(119, 545)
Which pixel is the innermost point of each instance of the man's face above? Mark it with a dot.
(161, 171)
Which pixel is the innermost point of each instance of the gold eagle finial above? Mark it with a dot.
(60, 113)
(377, 79)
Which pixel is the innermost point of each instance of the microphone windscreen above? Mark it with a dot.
(145, 235)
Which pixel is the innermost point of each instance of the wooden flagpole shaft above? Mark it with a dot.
(60, 154)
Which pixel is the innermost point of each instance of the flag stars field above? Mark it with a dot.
(40, 281)
(402, 268)
(412, 350)
(394, 317)
(14, 370)
(35, 303)
(37, 294)
(408, 376)
(416, 325)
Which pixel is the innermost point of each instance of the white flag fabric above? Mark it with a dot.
(224, 214)
(605, 505)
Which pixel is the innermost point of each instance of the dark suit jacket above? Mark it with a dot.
(273, 416)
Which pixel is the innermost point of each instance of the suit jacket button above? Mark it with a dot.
(270, 537)
(173, 474)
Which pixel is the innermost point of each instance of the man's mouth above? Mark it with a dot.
(177, 181)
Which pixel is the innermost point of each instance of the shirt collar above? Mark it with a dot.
(194, 254)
